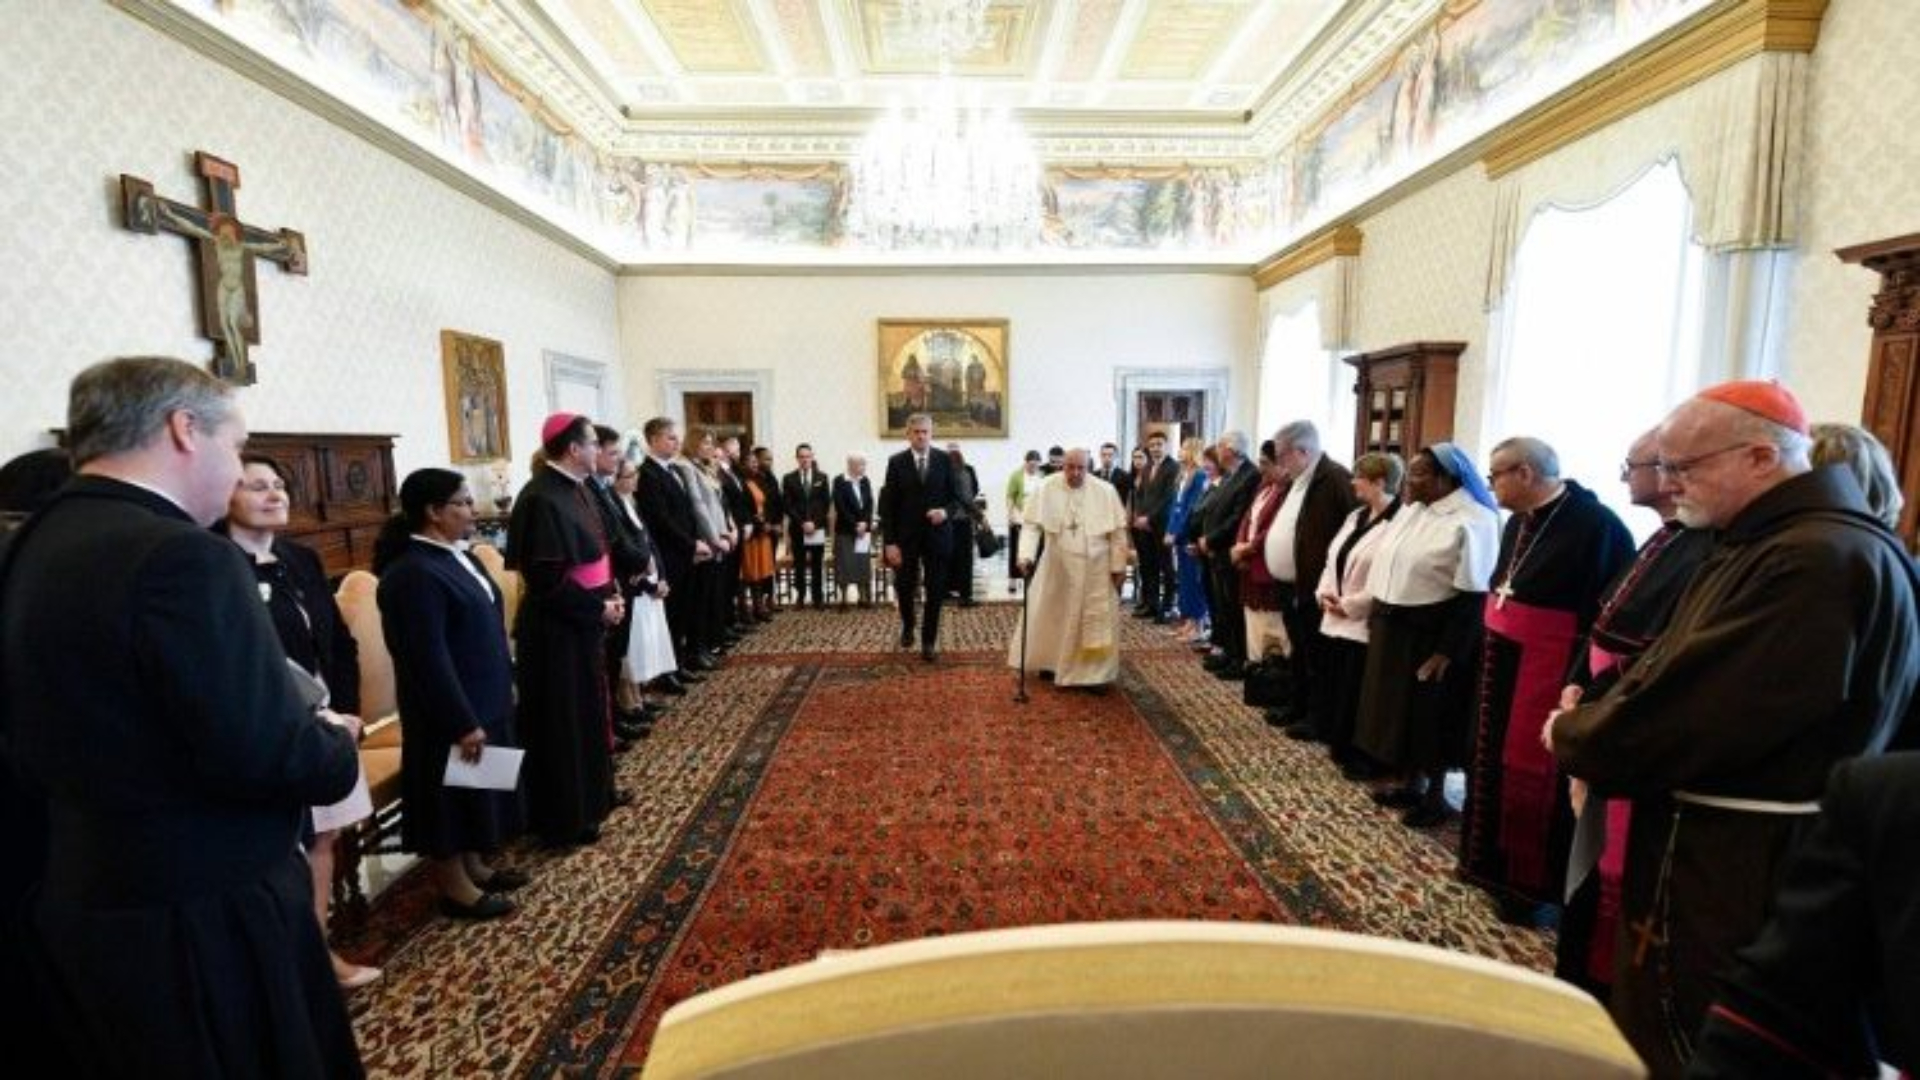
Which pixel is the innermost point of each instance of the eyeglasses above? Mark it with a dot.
(261, 487)
(1627, 466)
(1678, 470)
(1494, 476)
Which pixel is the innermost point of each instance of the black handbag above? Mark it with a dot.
(1269, 683)
(984, 541)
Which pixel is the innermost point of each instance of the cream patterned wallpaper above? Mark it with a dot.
(396, 256)
(1863, 155)
(1069, 334)
(1422, 275)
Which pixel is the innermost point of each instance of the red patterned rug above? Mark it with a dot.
(826, 793)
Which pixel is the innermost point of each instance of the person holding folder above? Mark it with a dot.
(441, 617)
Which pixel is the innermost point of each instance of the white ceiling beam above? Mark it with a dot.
(767, 25)
(1250, 30)
(838, 34)
(651, 40)
(1124, 30)
(1054, 52)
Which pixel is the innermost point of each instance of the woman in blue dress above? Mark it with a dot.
(1189, 569)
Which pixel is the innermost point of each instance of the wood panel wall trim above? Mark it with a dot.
(1329, 243)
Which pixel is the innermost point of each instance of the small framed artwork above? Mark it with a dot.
(954, 369)
(475, 369)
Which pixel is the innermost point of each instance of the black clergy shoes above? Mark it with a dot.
(488, 906)
(906, 638)
(928, 653)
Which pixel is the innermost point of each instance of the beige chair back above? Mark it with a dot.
(507, 581)
(1120, 1001)
(360, 607)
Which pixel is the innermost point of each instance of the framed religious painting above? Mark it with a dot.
(954, 369)
(475, 369)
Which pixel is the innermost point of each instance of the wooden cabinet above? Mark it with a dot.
(1405, 396)
(1892, 408)
(343, 489)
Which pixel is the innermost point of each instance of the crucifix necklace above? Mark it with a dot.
(1531, 539)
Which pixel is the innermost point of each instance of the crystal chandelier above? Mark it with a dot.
(947, 178)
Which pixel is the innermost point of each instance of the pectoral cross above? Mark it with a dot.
(1502, 594)
(1645, 937)
(225, 248)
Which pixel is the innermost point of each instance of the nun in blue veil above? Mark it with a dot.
(1428, 580)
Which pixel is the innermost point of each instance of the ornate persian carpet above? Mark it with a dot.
(824, 791)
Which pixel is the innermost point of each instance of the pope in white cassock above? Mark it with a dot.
(1073, 601)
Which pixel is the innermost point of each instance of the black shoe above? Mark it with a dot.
(670, 685)
(488, 906)
(1275, 718)
(928, 653)
(700, 662)
(906, 638)
(505, 880)
(969, 602)
(622, 797)
(629, 732)
(621, 745)
(1426, 816)
(1358, 769)
(688, 677)
(1231, 671)
(1398, 798)
(1216, 661)
(1303, 731)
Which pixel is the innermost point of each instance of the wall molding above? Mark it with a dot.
(1737, 30)
(1330, 243)
(671, 387)
(1130, 382)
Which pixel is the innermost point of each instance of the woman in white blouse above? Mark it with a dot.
(1428, 578)
(1345, 604)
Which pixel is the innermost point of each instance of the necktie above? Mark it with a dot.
(920, 465)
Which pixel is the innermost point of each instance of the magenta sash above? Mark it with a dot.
(1529, 778)
(592, 576)
(1613, 857)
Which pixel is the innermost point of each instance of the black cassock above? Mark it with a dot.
(148, 698)
(452, 673)
(1554, 562)
(556, 543)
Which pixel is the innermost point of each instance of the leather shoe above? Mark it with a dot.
(1303, 731)
(1397, 798)
(686, 676)
(488, 906)
(1424, 816)
(906, 638)
(928, 654)
(505, 880)
(621, 745)
(1231, 671)
(670, 685)
(701, 662)
(622, 797)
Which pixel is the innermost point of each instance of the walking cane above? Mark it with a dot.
(1026, 590)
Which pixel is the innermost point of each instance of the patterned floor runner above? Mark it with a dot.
(827, 792)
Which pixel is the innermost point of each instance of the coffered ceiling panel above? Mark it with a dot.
(708, 36)
(887, 47)
(1180, 39)
(601, 26)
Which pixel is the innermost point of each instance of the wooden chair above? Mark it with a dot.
(1120, 1001)
(379, 748)
(507, 581)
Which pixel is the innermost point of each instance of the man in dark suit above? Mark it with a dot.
(1115, 472)
(1316, 505)
(1151, 505)
(915, 507)
(1824, 990)
(667, 508)
(1229, 504)
(807, 497)
(733, 490)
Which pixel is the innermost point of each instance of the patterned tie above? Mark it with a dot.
(920, 465)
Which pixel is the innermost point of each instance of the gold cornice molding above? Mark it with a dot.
(1330, 243)
(1728, 33)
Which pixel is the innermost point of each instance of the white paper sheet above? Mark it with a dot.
(815, 538)
(863, 545)
(497, 770)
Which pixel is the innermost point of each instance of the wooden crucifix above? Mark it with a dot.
(226, 248)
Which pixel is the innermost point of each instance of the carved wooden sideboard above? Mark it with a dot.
(1892, 408)
(343, 490)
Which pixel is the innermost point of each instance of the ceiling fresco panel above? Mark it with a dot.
(1181, 39)
(706, 36)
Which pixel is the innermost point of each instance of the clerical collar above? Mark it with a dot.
(565, 473)
(1564, 491)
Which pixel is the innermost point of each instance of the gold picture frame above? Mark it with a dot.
(955, 369)
(475, 370)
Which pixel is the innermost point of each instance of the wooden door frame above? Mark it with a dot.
(671, 388)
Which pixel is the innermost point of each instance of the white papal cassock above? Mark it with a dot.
(1073, 610)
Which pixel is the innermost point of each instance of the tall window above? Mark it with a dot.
(1300, 380)
(1599, 334)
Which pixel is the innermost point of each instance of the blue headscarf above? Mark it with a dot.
(1455, 463)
